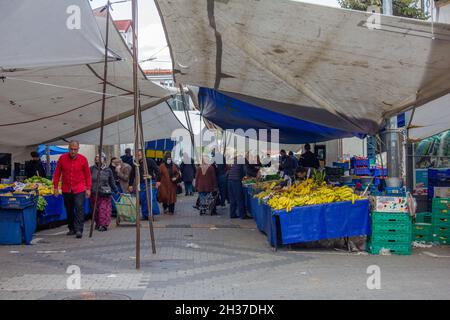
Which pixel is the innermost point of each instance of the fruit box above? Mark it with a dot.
(389, 204)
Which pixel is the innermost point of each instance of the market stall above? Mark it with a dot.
(308, 211)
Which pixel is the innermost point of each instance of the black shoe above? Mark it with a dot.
(102, 229)
(235, 217)
(97, 228)
(70, 233)
(196, 207)
(79, 235)
(246, 218)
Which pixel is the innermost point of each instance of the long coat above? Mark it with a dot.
(187, 171)
(167, 192)
(206, 181)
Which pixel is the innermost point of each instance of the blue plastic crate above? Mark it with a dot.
(378, 172)
(439, 175)
(344, 165)
(17, 201)
(17, 225)
(358, 163)
(361, 171)
(395, 192)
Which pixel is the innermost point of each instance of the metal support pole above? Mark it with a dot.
(136, 128)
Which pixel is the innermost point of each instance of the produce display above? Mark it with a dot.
(308, 192)
(42, 203)
(44, 186)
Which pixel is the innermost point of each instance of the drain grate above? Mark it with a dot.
(98, 296)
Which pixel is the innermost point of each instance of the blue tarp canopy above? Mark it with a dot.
(53, 150)
(231, 113)
(160, 145)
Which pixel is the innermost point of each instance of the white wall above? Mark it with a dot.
(354, 147)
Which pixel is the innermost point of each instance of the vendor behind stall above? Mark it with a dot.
(301, 174)
(252, 166)
(309, 159)
(286, 164)
(34, 167)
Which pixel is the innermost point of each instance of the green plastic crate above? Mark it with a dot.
(422, 237)
(403, 238)
(380, 217)
(445, 211)
(441, 220)
(422, 232)
(391, 228)
(441, 229)
(424, 217)
(399, 249)
(441, 203)
(422, 228)
(441, 238)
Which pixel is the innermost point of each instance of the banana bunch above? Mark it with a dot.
(308, 192)
(45, 190)
(4, 186)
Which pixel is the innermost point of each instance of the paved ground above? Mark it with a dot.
(210, 258)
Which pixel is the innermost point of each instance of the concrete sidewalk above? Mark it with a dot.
(203, 257)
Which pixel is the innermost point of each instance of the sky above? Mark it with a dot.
(152, 41)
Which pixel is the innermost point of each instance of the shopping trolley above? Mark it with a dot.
(126, 209)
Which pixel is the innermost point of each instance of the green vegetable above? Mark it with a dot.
(42, 203)
(41, 180)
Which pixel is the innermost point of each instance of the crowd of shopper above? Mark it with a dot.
(220, 181)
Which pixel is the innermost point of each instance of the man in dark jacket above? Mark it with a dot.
(286, 164)
(221, 169)
(235, 189)
(127, 157)
(188, 171)
(294, 159)
(154, 175)
(34, 167)
(309, 159)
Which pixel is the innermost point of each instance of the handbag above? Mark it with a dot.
(179, 189)
(105, 190)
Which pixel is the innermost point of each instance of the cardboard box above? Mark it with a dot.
(442, 192)
(389, 204)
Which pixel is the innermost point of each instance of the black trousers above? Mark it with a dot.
(74, 204)
(171, 207)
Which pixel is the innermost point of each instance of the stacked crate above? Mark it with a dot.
(391, 225)
(390, 231)
(441, 220)
(360, 166)
(422, 230)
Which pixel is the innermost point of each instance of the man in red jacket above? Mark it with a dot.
(76, 185)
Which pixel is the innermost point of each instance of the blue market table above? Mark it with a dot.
(312, 223)
(56, 211)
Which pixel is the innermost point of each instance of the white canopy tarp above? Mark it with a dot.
(158, 123)
(49, 33)
(430, 119)
(49, 104)
(317, 63)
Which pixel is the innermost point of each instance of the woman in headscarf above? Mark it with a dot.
(206, 181)
(106, 187)
(167, 193)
